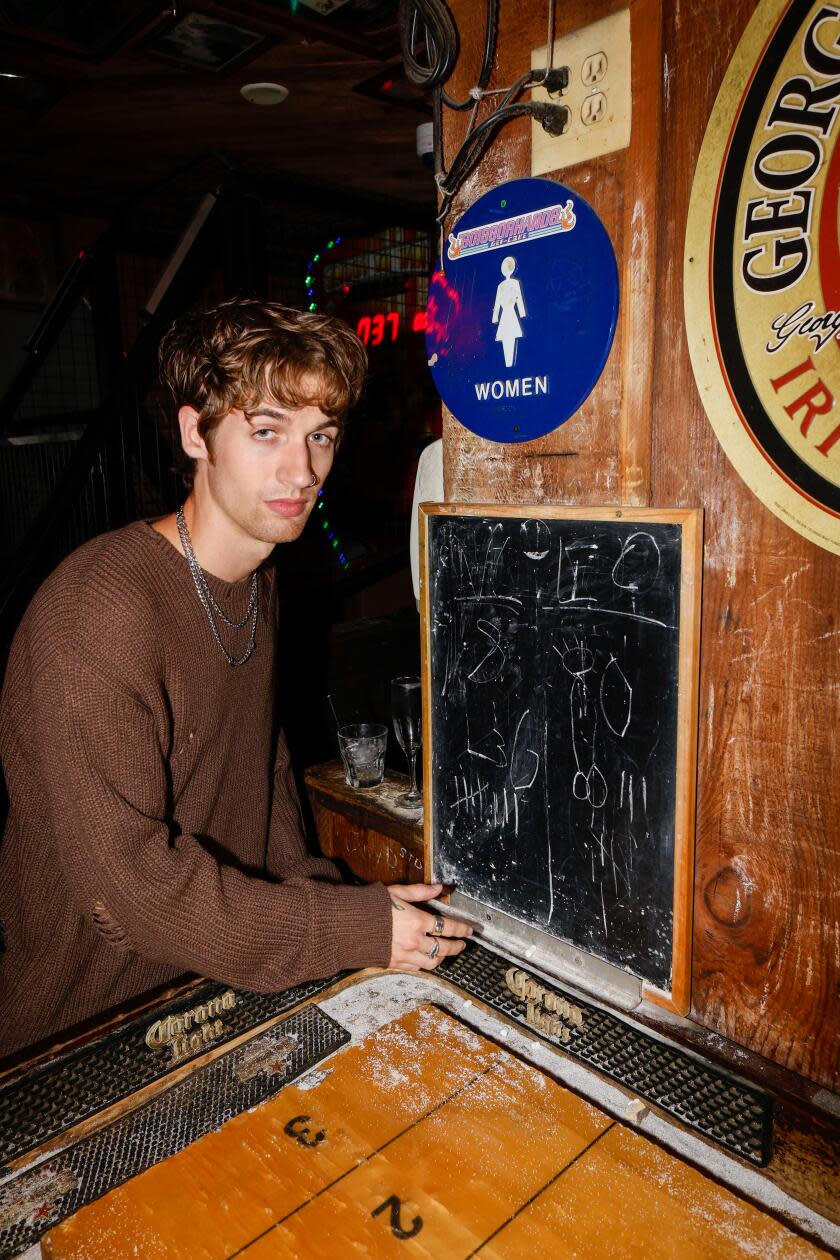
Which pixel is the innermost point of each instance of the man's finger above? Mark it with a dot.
(440, 926)
(415, 892)
(429, 958)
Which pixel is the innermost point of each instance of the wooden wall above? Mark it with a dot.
(766, 968)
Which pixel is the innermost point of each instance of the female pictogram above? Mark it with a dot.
(507, 309)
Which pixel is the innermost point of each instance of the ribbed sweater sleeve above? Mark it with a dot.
(143, 767)
(154, 826)
(166, 895)
(287, 854)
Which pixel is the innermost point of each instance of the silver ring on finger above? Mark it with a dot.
(434, 951)
(437, 929)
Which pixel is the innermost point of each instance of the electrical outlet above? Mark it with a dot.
(598, 96)
(594, 68)
(594, 109)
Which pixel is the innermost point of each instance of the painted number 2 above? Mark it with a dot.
(397, 1229)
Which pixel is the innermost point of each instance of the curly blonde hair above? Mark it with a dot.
(240, 352)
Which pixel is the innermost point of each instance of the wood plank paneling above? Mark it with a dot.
(364, 827)
(766, 967)
(602, 455)
(767, 904)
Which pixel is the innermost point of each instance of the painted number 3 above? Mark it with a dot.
(397, 1228)
(297, 1129)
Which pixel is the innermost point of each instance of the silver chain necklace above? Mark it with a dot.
(209, 603)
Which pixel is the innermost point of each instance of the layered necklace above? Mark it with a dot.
(211, 606)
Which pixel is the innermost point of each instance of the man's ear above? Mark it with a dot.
(193, 443)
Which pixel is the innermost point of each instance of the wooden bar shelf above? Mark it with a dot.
(364, 827)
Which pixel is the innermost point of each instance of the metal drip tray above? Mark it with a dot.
(718, 1106)
(34, 1201)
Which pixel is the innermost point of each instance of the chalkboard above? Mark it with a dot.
(557, 647)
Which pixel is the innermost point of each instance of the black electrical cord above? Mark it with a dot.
(440, 44)
(486, 61)
(553, 118)
(441, 41)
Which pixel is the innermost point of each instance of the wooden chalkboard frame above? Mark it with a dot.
(678, 997)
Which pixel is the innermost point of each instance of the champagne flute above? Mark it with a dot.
(406, 712)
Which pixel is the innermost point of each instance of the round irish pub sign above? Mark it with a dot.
(762, 265)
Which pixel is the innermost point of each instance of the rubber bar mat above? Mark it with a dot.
(721, 1108)
(34, 1201)
(74, 1086)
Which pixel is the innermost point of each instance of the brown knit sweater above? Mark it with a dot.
(154, 826)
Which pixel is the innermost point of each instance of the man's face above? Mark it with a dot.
(260, 468)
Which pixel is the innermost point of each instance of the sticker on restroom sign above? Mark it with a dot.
(522, 311)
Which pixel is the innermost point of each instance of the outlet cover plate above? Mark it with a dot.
(580, 142)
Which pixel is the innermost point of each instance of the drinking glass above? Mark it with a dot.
(406, 715)
(362, 748)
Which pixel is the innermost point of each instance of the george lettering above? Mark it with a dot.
(787, 163)
(785, 178)
(768, 215)
(781, 275)
(806, 114)
(816, 57)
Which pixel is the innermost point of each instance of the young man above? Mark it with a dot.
(154, 827)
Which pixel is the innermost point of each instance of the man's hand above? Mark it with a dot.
(421, 940)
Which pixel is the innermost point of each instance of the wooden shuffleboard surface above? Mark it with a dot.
(424, 1139)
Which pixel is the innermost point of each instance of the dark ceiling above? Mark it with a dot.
(131, 107)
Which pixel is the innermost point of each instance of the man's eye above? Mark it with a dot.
(263, 434)
(323, 439)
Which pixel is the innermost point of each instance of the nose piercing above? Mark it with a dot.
(314, 480)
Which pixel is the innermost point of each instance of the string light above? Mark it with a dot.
(332, 537)
(310, 278)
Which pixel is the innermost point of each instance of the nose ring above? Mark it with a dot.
(314, 480)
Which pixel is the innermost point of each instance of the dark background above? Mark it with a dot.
(122, 127)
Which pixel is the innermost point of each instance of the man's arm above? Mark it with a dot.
(164, 895)
(287, 855)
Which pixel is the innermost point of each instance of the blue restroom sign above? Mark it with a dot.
(521, 314)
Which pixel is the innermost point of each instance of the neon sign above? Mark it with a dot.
(385, 325)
